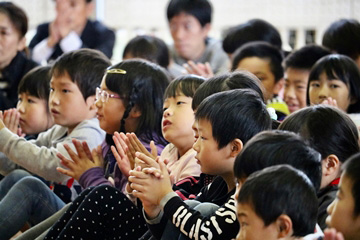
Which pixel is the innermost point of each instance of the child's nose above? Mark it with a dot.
(323, 92)
(20, 107)
(289, 93)
(98, 103)
(330, 207)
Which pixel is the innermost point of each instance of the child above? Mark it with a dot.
(72, 95)
(216, 149)
(297, 66)
(333, 134)
(335, 80)
(264, 61)
(176, 125)
(147, 47)
(32, 113)
(277, 202)
(344, 212)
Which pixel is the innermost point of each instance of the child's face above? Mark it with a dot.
(323, 88)
(177, 121)
(261, 68)
(111, 112)
(341, 211)
(212, 160)
(252, 226)
(66, 102)
(295, 88)
(34, 116)
(188, 35)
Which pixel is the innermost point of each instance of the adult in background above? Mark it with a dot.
(71, 30)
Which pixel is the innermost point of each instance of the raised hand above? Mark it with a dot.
(120, 152)
(135, 145)
(11, 118)
(81, 161)
(332, 234)
(200, 69)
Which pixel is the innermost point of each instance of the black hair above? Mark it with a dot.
(85, 67)
(351, 170)
(305, 57)
(17, 17)
(261, 50)
(271, 148)
(341, 67)
(150, 48)
(343, 37)
(239, 113)
(279, 190)
(37, 83)
(142, 86)
(327, 129)
(200, 9)
(185, 85)
(227, 81)
(252, 30)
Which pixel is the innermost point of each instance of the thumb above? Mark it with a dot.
(153, 148)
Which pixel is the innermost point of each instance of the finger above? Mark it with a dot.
(87, 150)
(209, 71)
(97, 156)
(119, 144)
(131, 149)
(153, 148)
(71, 153)
(137, 175)
(65, 161)
(147, 160)
(79, 148)
(64, 171)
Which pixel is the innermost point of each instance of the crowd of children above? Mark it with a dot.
(173, 143)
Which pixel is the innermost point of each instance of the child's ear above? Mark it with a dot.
(331, 165)
(90, 102)
(21, 44)
(284, 226)
(236, 147)
(135, 112)
(278, 86)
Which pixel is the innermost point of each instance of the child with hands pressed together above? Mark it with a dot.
(216, 145)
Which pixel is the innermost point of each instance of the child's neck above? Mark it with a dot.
(229, 178)
(183, 147)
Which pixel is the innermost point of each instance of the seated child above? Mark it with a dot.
(278, 202)
(332, 133)
(344, 212)
(297, 66)
(32, 114)
(75, 76)
(264, 61)
(216, 145)
(335, 80)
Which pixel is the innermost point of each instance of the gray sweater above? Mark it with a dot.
(38, 156)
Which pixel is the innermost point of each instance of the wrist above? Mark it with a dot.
(151, 211)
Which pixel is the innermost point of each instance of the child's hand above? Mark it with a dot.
(143, 182)
(200, 69)
(135, 145)
(120, 155)
(331, 234)
(330, 101)
(82, 161)
(11, 118)
(148, 162)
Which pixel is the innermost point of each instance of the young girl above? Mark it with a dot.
(32, 114)
(335, 80)
(118, 215)
(333, 134)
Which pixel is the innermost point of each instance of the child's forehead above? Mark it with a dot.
(63, 79)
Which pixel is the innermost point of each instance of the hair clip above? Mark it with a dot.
(116, 70)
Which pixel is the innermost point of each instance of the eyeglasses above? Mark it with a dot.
(104, 95)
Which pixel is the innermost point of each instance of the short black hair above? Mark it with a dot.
(279, 190)
(305, 57)
(327, 129)
(142, 86)
(17, 17)
(200, 9)
(185, 85)
(343, 36)
(337, 66)
(37, 83)
(261, 50)
(85, 67)
(150, 48)
(351, 170)
(227, 81)
(271, 148)
(252, 30)
(239, 113)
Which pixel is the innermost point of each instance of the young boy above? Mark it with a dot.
(75, 76)
(223, 122)
(297, 67)
(278, 202)
(264, 61)
(344, 212)
(190, 23)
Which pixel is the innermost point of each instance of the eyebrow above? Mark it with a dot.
(241, 214)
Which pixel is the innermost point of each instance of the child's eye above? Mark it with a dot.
(65, 91)
(164, 109)
(179, 103)
(31, 101)
(51, 89)
(334, 86)
(314, 85)
(300, 87)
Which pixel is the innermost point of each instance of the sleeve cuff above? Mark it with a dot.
(167, 197)
(71, 42)
(42, 52)
(153, 221)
